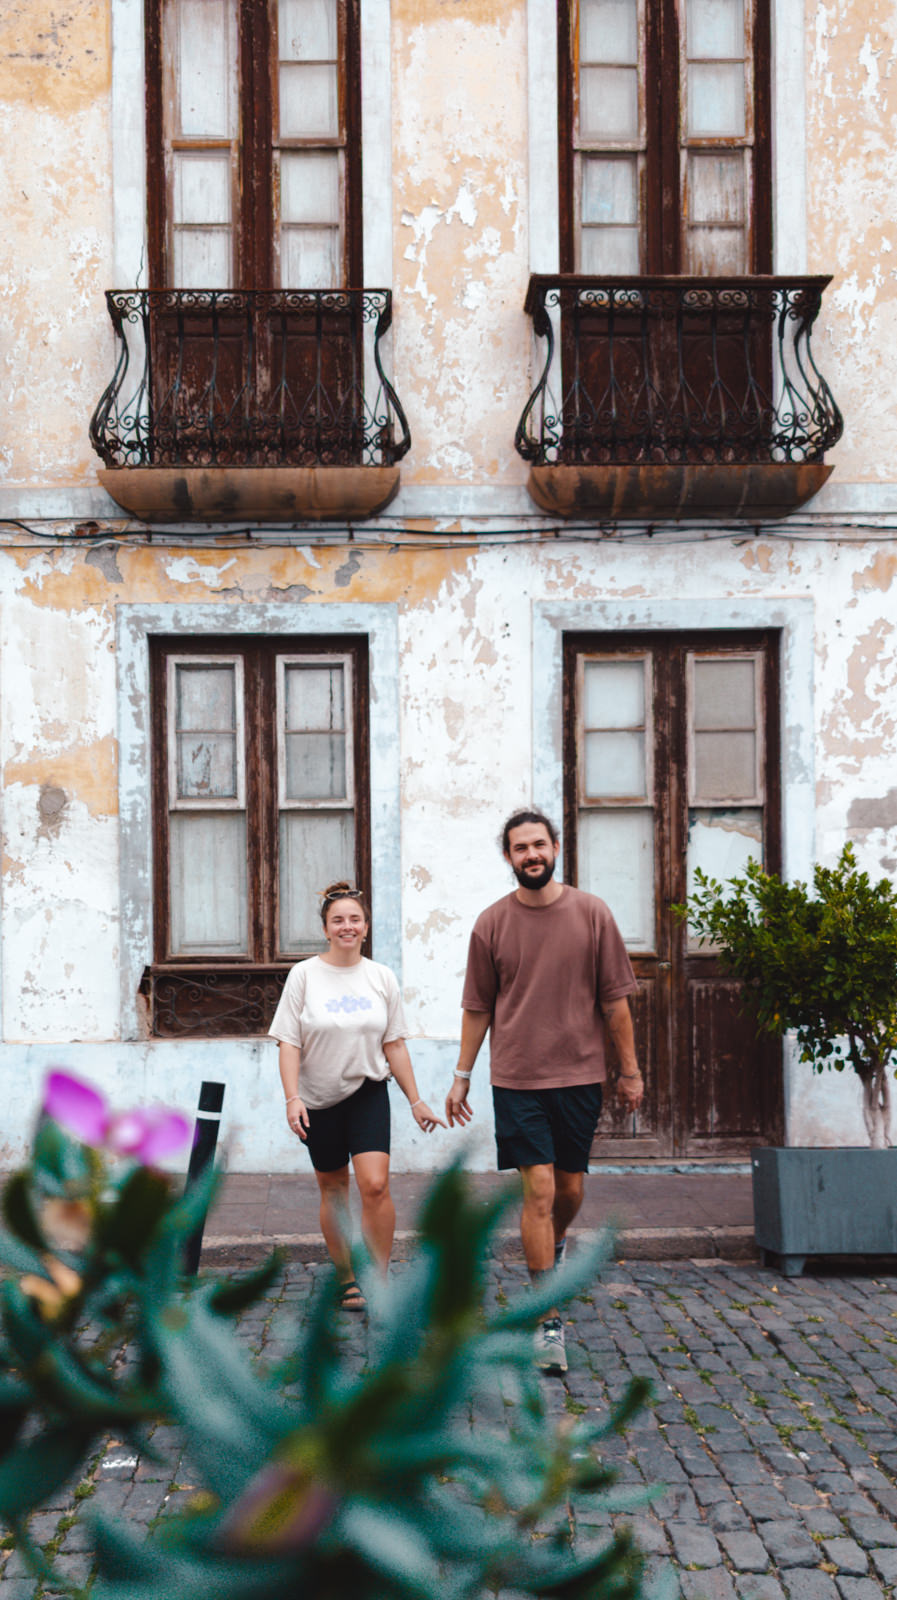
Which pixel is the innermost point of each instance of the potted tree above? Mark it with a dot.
(823, 963)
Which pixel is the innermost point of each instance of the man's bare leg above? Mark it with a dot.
(538, 1238)
(536, 1218)
(569, 1188)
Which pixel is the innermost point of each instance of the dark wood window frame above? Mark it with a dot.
(662, 247)
(219, 995)
(255, 244)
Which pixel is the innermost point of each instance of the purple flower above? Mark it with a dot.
(147, 1135)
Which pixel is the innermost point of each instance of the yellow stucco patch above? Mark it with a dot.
(138, 573)
(52, 55)
(879, 574)
(86, 773)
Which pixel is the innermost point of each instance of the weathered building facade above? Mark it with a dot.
(463, 442)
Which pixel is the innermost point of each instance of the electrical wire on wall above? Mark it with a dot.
(401, 537)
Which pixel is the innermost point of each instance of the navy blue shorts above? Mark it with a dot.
(350, 1128)
(546, 1127)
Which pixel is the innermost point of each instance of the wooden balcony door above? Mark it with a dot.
(672, 763)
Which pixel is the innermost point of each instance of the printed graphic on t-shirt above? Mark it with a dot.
(350, 1002)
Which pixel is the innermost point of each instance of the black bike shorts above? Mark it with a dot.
(350, 1128)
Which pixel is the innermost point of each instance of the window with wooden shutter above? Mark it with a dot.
(253, 140)
(664, 137)
(260, 800)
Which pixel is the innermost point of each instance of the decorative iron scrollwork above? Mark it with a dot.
(678, 371)
(212, 1003)
(234, 377)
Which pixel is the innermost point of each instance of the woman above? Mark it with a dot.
(341, 1031)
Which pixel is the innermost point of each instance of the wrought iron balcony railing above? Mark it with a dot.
(676, 371)
(234, 377)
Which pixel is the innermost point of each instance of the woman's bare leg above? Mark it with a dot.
(378, 1214)
(334, 1187)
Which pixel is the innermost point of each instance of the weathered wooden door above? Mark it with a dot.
(672, 763)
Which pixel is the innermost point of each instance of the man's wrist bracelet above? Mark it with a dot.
(460, 1074)
(630, 1075)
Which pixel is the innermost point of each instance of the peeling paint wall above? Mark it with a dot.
(56, 241)
(465, 691)
(467, 673)
(852, 227)
(460, 205)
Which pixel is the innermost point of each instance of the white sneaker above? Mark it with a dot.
(550, 1354)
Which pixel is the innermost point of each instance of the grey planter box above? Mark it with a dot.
(824, 1203)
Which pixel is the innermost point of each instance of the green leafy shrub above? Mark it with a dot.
(317, 1479)
(823, 963)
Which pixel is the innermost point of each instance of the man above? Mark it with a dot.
(547, 970)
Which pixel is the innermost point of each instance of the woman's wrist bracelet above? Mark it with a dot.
(417, 1103)
(460, 1074)
(292, 1097)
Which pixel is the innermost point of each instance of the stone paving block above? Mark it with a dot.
(72, 1572)
(110, 1497)
(835, 1483)
(847, 1556)
(728, 1515)
(648, 1534)
(758, 1586)
(694, 1544)
(871, 1530)
(824, 1522)
(678, 1502)
(78, 1537)
(761, 1502)
(145, 1500)
(884, 1560)
(740, 1467)
(745, 1551)
(803, 1583)
(661, 1579)
(800, 1493)
(853, 1505)
(858, 1588)
(16, 1567)
(788, 1544)
(714, 1584)
(712, 1491)
(17, 1588)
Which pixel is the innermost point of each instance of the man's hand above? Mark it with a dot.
(457, 1105)
(630, 1086)
(630, 1089)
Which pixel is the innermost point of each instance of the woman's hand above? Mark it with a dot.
(297, 1117)
(425, 1118)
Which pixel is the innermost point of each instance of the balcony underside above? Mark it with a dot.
(251, 494)
(756, 492)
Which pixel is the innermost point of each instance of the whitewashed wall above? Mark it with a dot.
(472, 706)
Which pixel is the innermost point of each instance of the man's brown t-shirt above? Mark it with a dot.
(543, 972)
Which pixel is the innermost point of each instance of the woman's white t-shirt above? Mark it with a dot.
(340, 1018)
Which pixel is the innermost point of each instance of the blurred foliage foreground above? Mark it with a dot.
(319, 1480)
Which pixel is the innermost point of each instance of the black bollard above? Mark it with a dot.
(205, 1138)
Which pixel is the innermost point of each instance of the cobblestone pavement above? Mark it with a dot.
(772, 1434)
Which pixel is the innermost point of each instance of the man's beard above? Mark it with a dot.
(535, 880)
